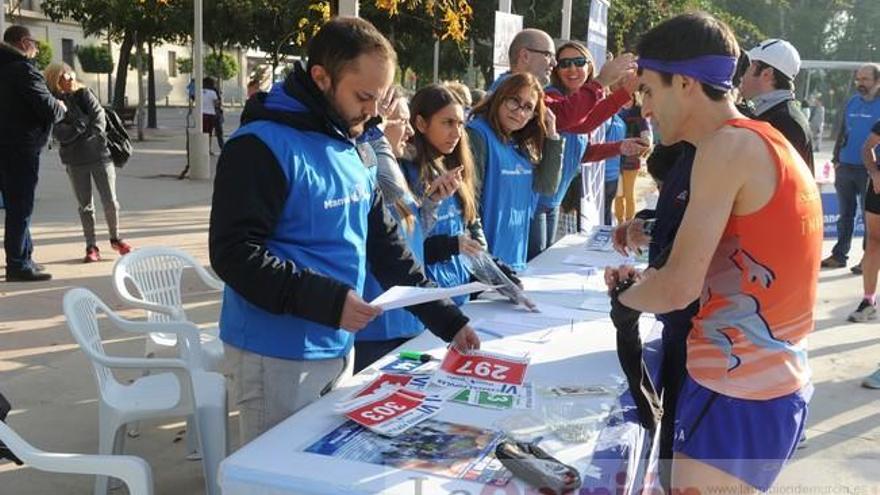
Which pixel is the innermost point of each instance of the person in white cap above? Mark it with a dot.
(769, 85)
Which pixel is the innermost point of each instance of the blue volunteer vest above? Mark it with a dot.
(450, 221)
(575, 146)
(397, 323)
(507, 200)
(616, 132)
(322, 227)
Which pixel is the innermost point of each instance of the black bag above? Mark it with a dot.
(118, 140)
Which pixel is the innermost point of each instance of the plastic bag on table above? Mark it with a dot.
(487, 271)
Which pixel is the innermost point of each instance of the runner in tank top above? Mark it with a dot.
(752, 204)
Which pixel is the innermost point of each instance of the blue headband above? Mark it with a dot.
(714, 70)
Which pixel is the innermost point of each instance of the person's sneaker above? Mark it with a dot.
(832, 262)
(92, 254)
(857, 269)
(873, 380)
(120, 246)
(866, 311)
(27, 275)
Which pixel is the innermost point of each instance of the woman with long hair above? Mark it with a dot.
(83, 150)
(575, 68)
(393, 328)
(517, 153)
(449, 209)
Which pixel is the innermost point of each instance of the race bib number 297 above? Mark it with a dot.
(485, 366)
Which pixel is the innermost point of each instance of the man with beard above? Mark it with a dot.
(850, 177)
(296, 216)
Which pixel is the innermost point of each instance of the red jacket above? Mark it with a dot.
(586, 109)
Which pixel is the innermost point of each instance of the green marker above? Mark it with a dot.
(415, 356)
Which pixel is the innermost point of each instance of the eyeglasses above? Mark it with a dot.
(565, 63)
(29, 40)
(545, 53)
(400, 122)
(68, 76)
(513, 104)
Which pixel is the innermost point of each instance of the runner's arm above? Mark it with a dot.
(714, 188)
(869, 156)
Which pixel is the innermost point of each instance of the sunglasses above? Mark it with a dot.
(565, 63)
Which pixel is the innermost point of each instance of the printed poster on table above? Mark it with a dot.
(435, 447)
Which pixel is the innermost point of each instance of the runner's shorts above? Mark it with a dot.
(872, 199)
(748, 439)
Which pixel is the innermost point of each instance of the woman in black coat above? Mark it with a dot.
(83, 138)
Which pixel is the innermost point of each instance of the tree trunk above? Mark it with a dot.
(151, 88)
(122, 70)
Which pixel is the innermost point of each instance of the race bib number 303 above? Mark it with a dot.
(393, 413)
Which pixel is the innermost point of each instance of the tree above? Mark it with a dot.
(95, 59)
(124, 21)
(221, 66)
(282, 27)
(44, 54)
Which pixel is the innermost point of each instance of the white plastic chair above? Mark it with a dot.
(133, 471)
(155, 273)
(177, 386)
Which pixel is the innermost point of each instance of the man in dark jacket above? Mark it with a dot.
(296, 216)
(769, 84)
(27, 113)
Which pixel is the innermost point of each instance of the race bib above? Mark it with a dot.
(395, 411)
(515, 397)
(411, 382)
(480, 370)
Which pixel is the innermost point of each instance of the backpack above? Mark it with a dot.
(118, 140)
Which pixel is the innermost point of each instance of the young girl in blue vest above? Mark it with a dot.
(449, 209)
(517, 153)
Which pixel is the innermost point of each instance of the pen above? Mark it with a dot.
(415, 356)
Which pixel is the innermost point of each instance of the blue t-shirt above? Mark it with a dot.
(859, 117)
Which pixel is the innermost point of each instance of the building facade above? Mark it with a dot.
(64, 38)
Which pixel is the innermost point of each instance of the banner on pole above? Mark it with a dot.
(506, 28)
(597, 31)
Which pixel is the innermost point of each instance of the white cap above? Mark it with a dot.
(779, 54)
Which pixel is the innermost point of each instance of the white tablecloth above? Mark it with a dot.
(580, 351)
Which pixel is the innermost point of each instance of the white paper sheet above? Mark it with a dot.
(401, 296)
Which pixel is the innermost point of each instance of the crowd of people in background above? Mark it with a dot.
(339, 184)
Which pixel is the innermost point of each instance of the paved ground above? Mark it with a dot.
(50, 384)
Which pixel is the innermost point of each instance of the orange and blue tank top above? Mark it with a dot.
(756, 309)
